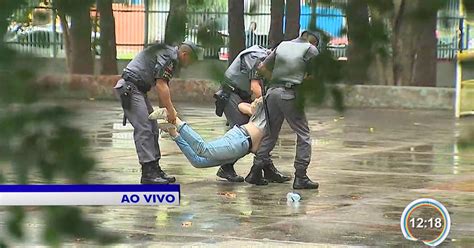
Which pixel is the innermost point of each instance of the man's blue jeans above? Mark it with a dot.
(226, 149)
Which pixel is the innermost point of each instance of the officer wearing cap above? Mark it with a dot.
(241, 81)
(286, 67)
(151, 68)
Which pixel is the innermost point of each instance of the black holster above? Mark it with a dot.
(222, 98)
(126, 96)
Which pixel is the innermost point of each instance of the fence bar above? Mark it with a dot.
(151, 25)
(147, 15)
(55, 40)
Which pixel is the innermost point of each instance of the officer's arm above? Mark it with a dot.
(256, 88)
(309, 56)
(164, 97)
(164, 70)
(266, 67)
(255, 78)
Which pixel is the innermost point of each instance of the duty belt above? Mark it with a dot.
(227, 86)
(139, 83)
(286, 85)
(246, 133)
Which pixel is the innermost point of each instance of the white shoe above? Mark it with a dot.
(158, 113)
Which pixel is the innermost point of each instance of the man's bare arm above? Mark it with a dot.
(245, 108)
(164, 96)
(249, 108)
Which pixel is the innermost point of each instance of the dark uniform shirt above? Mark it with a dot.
(292, 66)
(244, 67)
(158, 61)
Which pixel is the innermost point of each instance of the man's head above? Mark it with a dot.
(310, 36)
(187, 53)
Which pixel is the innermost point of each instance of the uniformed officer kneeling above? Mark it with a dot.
(151, 68)
(241, 81)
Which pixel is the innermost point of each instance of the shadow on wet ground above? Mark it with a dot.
(370, 164)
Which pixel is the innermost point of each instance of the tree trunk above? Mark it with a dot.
(414, 44)
(236, 28)
(312, 21)
(80, 33)
(381, 66)
(66, 38)
(108, 48)
(176, 22)
(292, 21)
(276, 25)
(427, 54)
(359, 54)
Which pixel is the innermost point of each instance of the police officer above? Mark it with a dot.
(286, 67)
(151, 68)
(240, 82)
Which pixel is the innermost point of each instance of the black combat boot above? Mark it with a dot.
(255, 176)
(150, 174)
(272, 175)
(227, 172)
(302, 181)
(162, 174)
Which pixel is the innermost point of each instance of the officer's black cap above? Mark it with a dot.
(195, 50)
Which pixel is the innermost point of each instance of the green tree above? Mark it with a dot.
(413, 24)
(390, 43)
(77, 36)
(275, 35)
(176, 22)
(359, 54)
(292, 21)
(108, 47)
(236, 28)
(38, 137)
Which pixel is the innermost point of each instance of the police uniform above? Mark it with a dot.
(289, 64)
(158, 61)
(236, 89)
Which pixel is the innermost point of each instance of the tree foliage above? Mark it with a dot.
(38, 137)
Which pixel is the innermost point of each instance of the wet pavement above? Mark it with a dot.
(370, 164)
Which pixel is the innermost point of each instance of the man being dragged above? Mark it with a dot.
(236, 143)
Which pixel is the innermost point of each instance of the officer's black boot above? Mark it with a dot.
(272, 175)
(227, 171)
(302, 181)
(150, 174)
(162, 174)
(255, 176)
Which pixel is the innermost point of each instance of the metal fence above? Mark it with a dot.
(37, 30)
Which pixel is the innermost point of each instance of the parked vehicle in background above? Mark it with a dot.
(42, 41)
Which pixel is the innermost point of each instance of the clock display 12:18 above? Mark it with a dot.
(428, 223)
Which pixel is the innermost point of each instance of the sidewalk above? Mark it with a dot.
(370, 164)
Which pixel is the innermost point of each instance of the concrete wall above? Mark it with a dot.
(201, 70)
(191, 90)
(398, 97)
